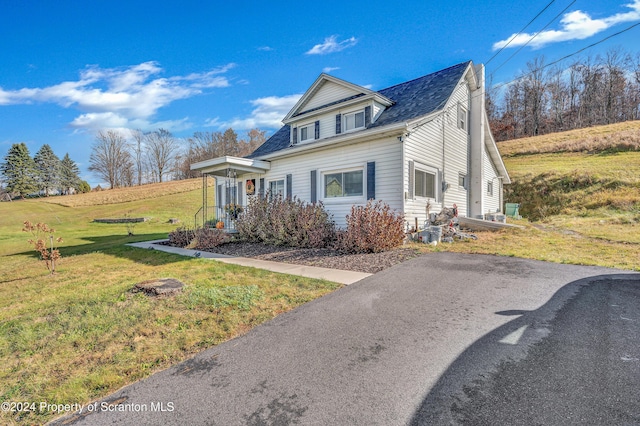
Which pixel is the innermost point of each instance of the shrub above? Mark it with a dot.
(371, 229)
(283, 221)
(206, 238)
(181, 237)
(48, 255)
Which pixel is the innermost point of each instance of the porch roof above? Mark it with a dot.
(219, 166)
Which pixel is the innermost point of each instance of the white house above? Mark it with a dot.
(421, 144)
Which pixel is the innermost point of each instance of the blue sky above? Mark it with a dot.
(69, 68)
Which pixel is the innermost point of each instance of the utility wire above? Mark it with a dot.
(529, 73)
(568, 56)
(534, 36)
(519, 32)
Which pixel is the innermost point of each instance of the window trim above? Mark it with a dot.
(345, 198)
(425, 169)
(354, 113)
(463, 118)
(464, 179)
(282, 179)
(311, 133)
(490, 188)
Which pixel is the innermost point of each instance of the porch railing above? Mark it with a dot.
(209, 216)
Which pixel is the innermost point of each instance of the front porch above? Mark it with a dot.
(235, 179)
(210, 216)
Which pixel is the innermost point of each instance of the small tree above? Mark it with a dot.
(41, 232)
(19, 170)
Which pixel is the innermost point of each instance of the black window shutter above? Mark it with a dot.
(289, 185)
(295, 136)
(240, 193)
(261, 189)
(317, 128)
(367, 116)
(314, 186)
(371, 180)
(219, 195)
(338, 124)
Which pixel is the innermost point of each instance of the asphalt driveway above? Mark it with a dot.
(407, 345)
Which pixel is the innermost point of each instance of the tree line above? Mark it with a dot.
(587, 92)
(124, 160)
(45, 173)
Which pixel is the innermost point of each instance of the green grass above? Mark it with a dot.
(582, 206)
(82, 333)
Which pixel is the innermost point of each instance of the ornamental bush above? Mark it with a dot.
(284, 221)
(181, 237)
(206, 238)
(371, 229)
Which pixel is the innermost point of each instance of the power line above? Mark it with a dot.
(534, 36)
(519, 32)
(569, 55)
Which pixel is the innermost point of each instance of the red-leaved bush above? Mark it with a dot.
(181, 237)
(283, 221)
(206, 238)
(371, 229)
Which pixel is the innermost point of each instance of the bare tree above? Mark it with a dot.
(590, 91)
(110, 158)
(138, 153)
(162, 149)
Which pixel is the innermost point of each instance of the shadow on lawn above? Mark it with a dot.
(116, 245)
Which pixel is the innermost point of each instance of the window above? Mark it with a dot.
(490, 188)
(462, 180)
(462, 118)
(425, 184)
(307, 133)
(352, 121)
(276, 187)
(344, 184)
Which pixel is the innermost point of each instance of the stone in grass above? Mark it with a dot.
(159, 287)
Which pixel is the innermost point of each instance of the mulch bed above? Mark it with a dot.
(325, 258)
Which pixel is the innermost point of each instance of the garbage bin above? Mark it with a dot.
(512, 209)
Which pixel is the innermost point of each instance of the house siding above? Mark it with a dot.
(329, 92)
(424, 147)
(328, 120)
(491, 203)
(388, 164)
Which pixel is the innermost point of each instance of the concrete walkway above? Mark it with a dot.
(335, 275)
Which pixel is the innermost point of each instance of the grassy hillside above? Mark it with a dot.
(587, 173)
(580, 198)
(82, 333)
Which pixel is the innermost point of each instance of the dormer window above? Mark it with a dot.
(306, 133)
(353, 120)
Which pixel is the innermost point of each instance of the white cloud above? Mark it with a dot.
(268, 113)
(126, 97)
(576, 25)
(331, 45)
(265, 48)
(329, 69)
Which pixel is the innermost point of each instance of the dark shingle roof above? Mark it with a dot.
(412, 99)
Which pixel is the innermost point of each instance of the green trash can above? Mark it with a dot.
(512, 209)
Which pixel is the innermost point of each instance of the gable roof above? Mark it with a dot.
(411, 99)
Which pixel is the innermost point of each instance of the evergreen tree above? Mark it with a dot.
(69, 175)
(47, 169)
(19, 170)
